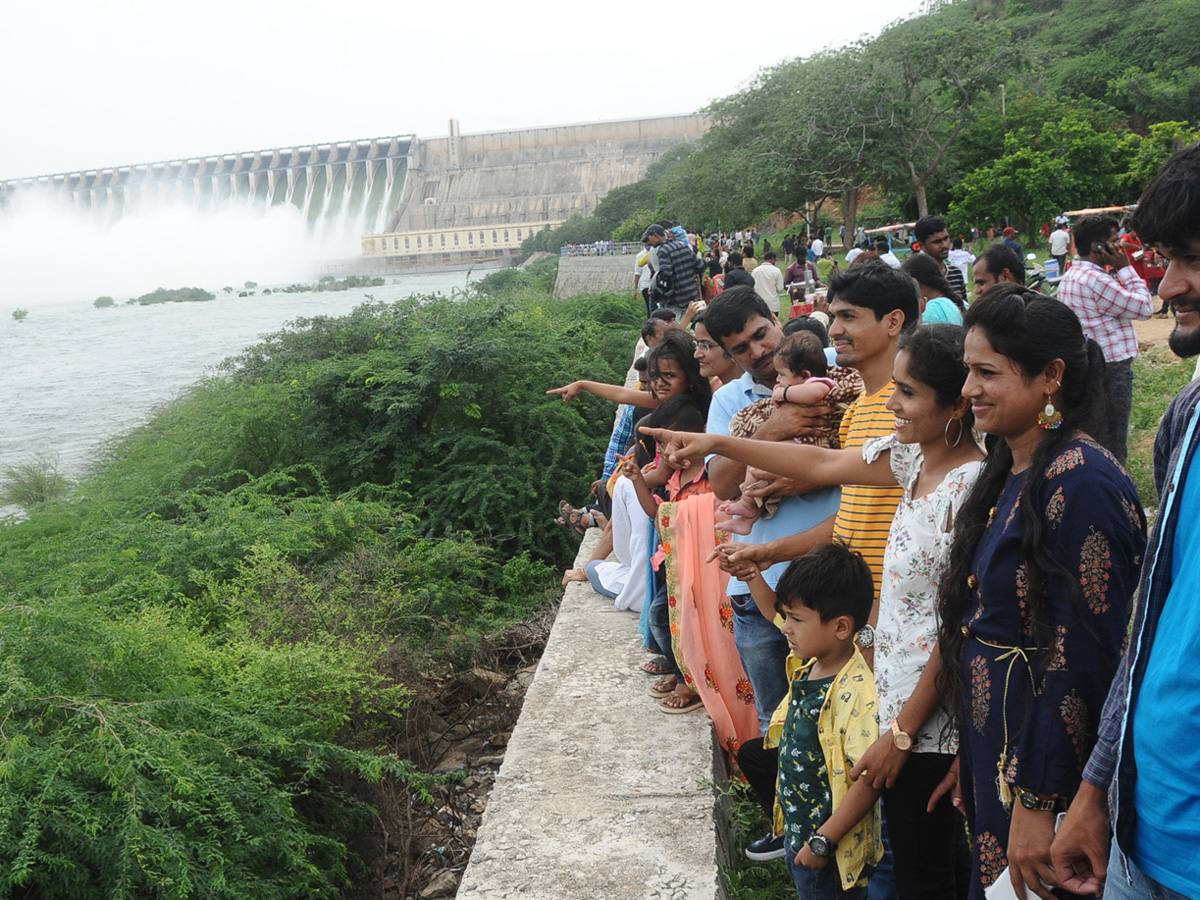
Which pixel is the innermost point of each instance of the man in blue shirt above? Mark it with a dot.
(740, 321)
(1146, 763)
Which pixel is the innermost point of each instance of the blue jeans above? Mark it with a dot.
(597, 586)
(1120, 392)
(819, 884)
(763, 650)
(660, 627)
(1125, 881)
(882, 884)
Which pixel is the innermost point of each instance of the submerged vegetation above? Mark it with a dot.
(211, 646)
(174, 295)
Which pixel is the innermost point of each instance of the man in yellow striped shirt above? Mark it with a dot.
(871, 305)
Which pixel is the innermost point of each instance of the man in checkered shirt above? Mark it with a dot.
(1107, 306)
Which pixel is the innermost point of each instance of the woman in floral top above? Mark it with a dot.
(933, 456)
(1035, 598)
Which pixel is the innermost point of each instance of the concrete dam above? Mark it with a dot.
(408, 202)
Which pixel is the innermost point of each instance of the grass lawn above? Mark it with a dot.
(1158, 375)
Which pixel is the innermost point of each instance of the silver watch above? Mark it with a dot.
(821, 847)
(866, 636)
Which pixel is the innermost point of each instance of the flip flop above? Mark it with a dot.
(659, 693)
(692, 705)
(657, 666)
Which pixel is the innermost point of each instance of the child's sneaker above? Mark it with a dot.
(768, 847)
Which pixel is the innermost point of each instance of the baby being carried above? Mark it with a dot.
(803, 376)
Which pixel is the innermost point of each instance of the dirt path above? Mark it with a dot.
(1155, 331)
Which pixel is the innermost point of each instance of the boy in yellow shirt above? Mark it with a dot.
(825, 724)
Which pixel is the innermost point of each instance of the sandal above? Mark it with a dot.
(693, 704)
(658, 691)
(657, 666)
(573, 518)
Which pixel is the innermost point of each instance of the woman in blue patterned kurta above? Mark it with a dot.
(1035, 599)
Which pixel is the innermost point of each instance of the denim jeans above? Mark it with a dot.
(1125, 881)
(594, 578)
(1120, 392)
(763, 650)
(819, 884)
(660, 627)
(882, 883)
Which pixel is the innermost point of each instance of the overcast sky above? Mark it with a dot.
(90, 85)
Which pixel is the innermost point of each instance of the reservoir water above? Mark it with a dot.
(73, 375)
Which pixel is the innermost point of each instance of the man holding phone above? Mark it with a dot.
(1107, 306)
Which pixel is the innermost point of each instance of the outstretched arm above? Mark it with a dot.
(611, 392)
(801, 462)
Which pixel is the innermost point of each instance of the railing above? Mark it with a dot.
(600, 248)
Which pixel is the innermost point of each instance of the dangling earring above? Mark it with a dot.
(946, 433)
(1050, 418)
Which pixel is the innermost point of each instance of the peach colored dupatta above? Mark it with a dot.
(702, 619)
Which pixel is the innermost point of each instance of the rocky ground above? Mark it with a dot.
(459, 728)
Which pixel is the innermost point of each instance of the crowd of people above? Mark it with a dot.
(598, 248)
(893, 551)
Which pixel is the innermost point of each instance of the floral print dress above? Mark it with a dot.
(1030, 713)
(917, 547)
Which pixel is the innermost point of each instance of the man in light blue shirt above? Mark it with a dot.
(740, 321)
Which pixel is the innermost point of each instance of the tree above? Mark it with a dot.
(926, 80)
(1067, 163)
(795, 137)
(823, 131)
(1147, 154)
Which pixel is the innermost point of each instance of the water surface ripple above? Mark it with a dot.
(73, 375)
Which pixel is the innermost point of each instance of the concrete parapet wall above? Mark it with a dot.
(594, 275)
(600, 795)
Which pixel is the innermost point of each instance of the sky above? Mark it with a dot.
(91, 85)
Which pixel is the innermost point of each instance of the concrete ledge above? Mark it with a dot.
(594, 275)
(600, 795)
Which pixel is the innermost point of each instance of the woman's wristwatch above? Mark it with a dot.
(1037, 802)
(866, 637)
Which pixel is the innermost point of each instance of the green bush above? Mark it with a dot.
(35, 481)
(102, 302)
(176, 295)
(206, 645)
(19, 314)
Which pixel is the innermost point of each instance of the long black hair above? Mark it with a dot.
(935, 358)
(1031, 330)
(679, 346)
(925, 270)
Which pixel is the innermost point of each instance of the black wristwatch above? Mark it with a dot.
(1033, 800)
(820, 846)
(866, 636)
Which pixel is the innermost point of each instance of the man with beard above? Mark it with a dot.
(1143, 761)
(931, 233)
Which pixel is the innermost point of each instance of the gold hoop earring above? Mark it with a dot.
(946, 433)
(1050, 418)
